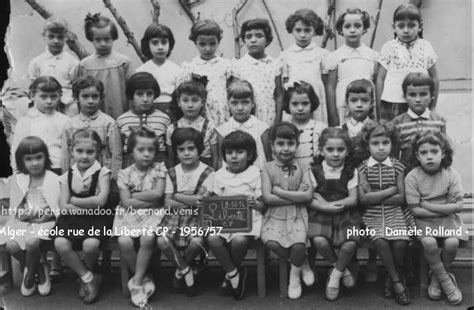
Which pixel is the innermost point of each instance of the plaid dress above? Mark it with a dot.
(188, 217)
(333, 227)
(136, 181)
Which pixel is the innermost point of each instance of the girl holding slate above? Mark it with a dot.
(239, 177)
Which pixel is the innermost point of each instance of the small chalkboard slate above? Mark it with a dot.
(230, 213)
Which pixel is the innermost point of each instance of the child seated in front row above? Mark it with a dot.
(332, 212)
(419, 93)
(435, 197)
(239, 177)
(142, 89)
(286, 189)
(186, 184)
(187, 109)
(141, 188)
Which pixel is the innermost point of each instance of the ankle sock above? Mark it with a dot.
(295, 273)
(188, 276)
(443, 277)
(87, 277)
(233, 277)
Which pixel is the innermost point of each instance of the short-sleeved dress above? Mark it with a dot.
(333, 184)
(307, 64)
(350, 64)
(113, 71)
(261, 74)
(136, 181)
(83, 186)
(384, 219)
(217, 71)
(44, 199)
(177, 181)
(205, 127)
(441, 188)
(286, 225)
(246, 183)
(308, 146)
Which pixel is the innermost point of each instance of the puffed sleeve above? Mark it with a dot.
(384, 57)
(324, 56)
(123, 179)
(431, 57)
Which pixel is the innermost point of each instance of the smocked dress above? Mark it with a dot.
(286, 225)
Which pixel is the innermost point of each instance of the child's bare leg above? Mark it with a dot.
(325, 249)
(168, 249)
(276, 248)
(387, 256)
(14, 249)
(399, 250)
(448, 254)
(346, 252)
(222, 253)
(127, 252)
(371, 273)
(64, 248)
(90, 248)
(32, 259)
(193, 249)
(297, 254)
(238, 247)
(145, 252)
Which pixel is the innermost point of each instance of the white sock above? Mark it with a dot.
(87, 277)
(347, 272)
(233, 277)
(178, 274)
(334, 278)
(295, 273)
(188, 276)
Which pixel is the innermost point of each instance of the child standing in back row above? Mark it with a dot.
(206, 35)
(105, 64)
(304, 60)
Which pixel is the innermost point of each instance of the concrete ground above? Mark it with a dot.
(364, 296)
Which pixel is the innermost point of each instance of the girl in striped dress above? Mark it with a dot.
(381, 190)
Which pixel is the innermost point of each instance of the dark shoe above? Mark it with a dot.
(92, 289)
(388, 292)
(178, 284)
(239, 292)
(402, 298)
(225, 289)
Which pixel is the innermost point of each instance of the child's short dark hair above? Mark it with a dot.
(240, 140)
(300, 87)
(55, 25)
(361, 86)
(284, 130)
(99, 21)
(141, 80)
(84, 82)
(434, 138)
(156, 31)
(45, 83)
(140, 132)
(240, 89)
(181, 135)
(206, 27)
(86, 133)
(418, 79)
(307, 17)
(190, 87)
(364, 16)
(381, 128)
(29, 146)
(411, 12)
(257, 23)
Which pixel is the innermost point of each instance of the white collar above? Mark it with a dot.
(354, 122)
(201, 61)
(345, 46)
(35, 113)
(330, 169)
(50, 55)
(425, 115)
(184, 122)
(296, 48)
(372, 162)
(89, 172)
(267, 59)
(249, 172)
(247, 124)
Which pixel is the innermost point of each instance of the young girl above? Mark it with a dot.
(353, 60)
(241, 102)
(157, 44)
(84, 190)
(190, 98)
(105, 64)
(300, 101)
(262, 71)
(186, 184)
(34, 198)
(141, 189)
(332, 211)
(142, 89)
(42, 120)
(206, 35)
(239, 177)
(382, 192)
(435, 197)
(408, 52)
(303, 60)
(286, 188)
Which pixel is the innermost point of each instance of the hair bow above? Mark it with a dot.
(91, 18)
(291, 84)
(202, 79)
(290, 167)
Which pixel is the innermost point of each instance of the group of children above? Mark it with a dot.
(254, 127)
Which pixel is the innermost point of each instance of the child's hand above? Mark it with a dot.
(199, 200)
(337, 207)
(275, 189)
(393, 190)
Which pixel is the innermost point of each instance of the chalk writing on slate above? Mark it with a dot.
(231, 213)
